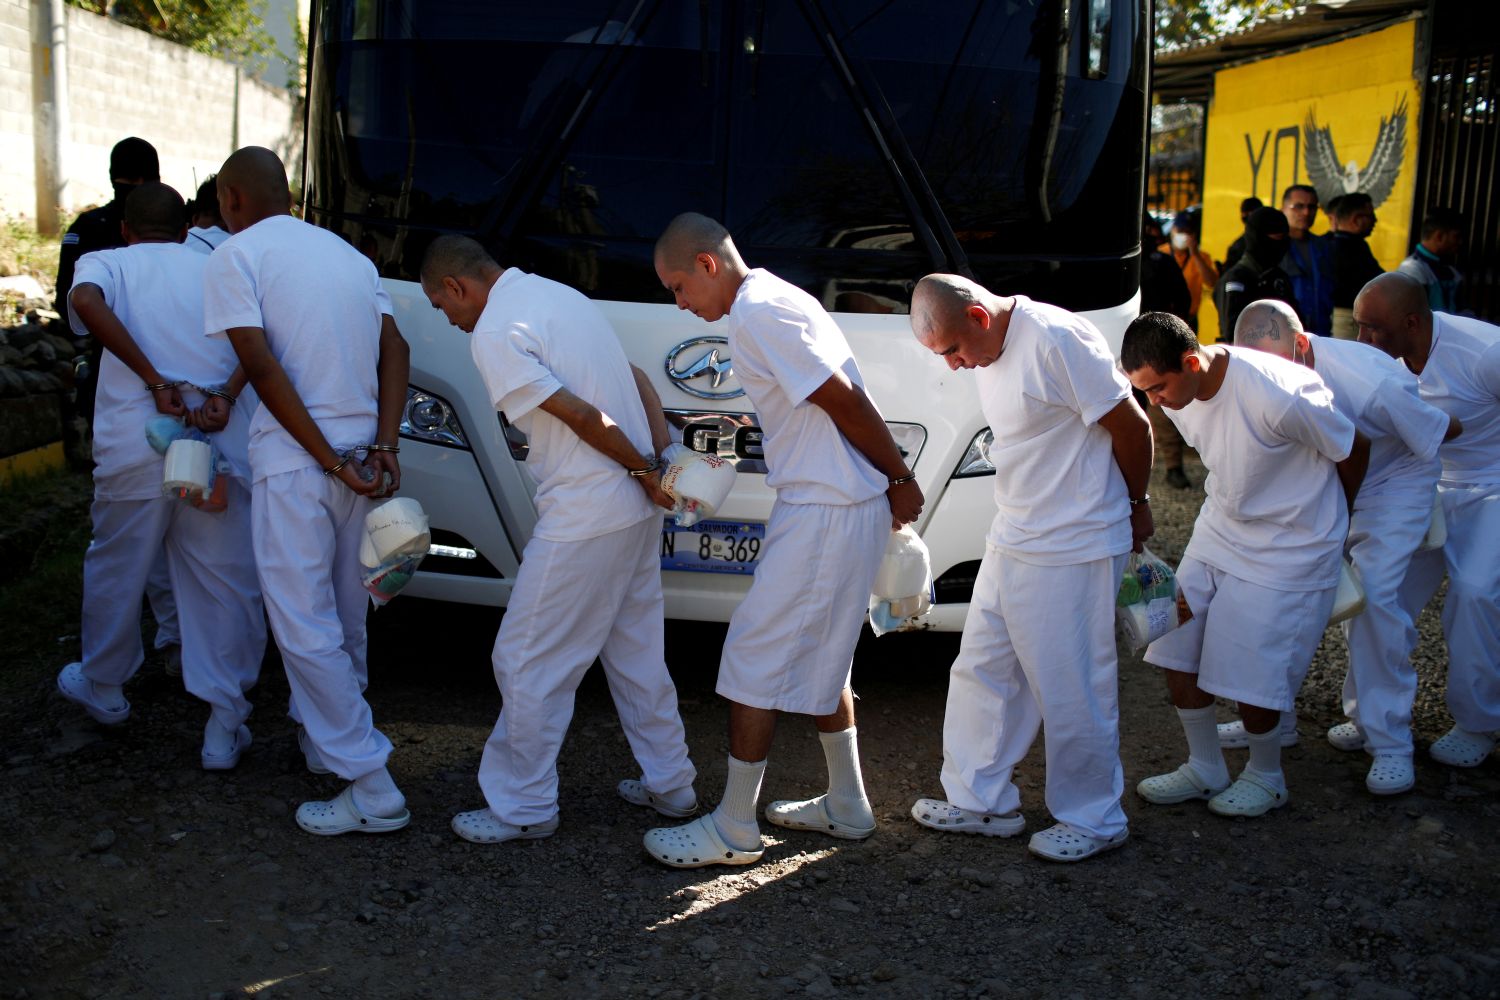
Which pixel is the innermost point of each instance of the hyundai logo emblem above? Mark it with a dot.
(718, 369)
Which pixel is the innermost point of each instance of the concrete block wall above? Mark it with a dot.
(122, 81)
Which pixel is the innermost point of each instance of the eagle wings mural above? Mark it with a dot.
(1378, 177)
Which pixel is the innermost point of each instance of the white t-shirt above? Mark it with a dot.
(1061, 496)
(1275, 513)
(1378, 394)
(320, 304)
(784, 345)
(537, 336)
(1462, 378)
(205, 239)
(156, 291)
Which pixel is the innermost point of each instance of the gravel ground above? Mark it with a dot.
(129, 872)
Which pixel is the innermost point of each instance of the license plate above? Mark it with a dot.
(712, 546)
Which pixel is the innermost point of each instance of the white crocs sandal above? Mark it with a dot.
(74, 686)
(1347, 737)
(1250, 795)
(341, 815)
(1456, 748)
(1181, 785)
(637, 794)
(812, 814)
(480, 826)
(936, 814)
(227, 761)
(1063, 843)
(1232, 736)
(695, 845)
(1391, 774)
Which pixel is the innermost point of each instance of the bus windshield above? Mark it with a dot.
(850, 145)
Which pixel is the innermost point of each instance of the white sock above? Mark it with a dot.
(1265, 757)
(218, 741)
(376, 794)
(1202, 730)
(108, 695)
(737, 815)
(677, 798)
(847, 802)
(1289, 722)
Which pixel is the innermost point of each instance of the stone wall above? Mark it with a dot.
(121, 81)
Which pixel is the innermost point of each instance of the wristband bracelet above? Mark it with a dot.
(392, 448)
(158, 386)
(343, 462)
(231, 400)
(650, 467)
(902, 480)
(1144, 499)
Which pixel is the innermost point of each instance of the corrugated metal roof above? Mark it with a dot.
(1185, 72)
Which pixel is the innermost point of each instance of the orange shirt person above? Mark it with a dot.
(1198, 268)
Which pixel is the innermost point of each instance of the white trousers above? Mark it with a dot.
(163, 607)
(574, 602)
(308, 527)
(1382, 683)
(791, 641)
(1471, 610)
(1038, 650)
(211, 570)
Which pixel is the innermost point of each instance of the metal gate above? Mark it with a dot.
(1460, 151)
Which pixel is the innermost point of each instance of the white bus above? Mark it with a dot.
(851, 146)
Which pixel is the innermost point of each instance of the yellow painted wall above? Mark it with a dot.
(1257, 117)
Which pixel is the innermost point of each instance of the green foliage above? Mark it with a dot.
(230, 29)
(1182, 22)
(23, 250)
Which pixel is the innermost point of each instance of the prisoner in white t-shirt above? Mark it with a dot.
(1261, 569)
(1072, 456)
(144, 303)
(1457, 363)
(311, 325)
(590, 579)
(1392, 513)
(841, 487)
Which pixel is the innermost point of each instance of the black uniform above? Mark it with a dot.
(1353, 266)
(1257, 274)
(96, 229)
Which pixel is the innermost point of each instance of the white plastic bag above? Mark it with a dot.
(397, 537)
(902, 591)
(1146, 605)
(699, 482)
(1350, 599)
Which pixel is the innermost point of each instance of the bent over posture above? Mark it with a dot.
(590, 578)
(840, 486)
(1072, 455)
(1262, 568)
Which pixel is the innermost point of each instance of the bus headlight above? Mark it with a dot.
(976, 460)
(430, 418)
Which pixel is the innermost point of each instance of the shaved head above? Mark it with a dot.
(1392, 313)
(939, 302)
(689, 235)
(252, 186)
(453, 256)
(1394, 290)
(1268, 325)
(155, 211)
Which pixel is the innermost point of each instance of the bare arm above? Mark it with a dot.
(278, 395)
(1130, 437)
(599, 432)
(100, 320)
(857, 419)
(661, 432)
(1352, 469)
(1454, 429)
(392, 373)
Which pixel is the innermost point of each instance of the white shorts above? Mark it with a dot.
(1245, 642)
(791, 641)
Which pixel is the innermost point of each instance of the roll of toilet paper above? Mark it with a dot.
(699, 479)
(905, 569)
(396, 528)
(187, 471)
(1350, 599)
(1143, 624)
(1437, 529)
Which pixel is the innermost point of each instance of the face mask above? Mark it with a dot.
(122, 191)
(1180, 241)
